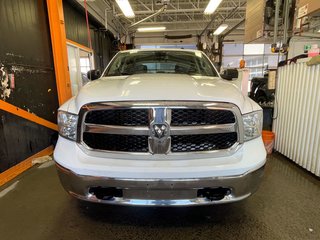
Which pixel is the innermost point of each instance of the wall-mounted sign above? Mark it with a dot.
(303, 11)
(306, 48)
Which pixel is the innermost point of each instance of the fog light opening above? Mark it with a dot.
(106, 193)
(213, 194)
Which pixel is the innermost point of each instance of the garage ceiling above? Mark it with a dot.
(181, 16)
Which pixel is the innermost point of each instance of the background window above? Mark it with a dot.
(84, 64)
(231, 62)
(258, 57)
(232, 49)
(253, 49)
(79, 63)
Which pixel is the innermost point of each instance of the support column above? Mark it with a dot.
(59, 49)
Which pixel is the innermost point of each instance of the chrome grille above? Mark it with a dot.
(196, 117)
(203, 142)
(159, 127)
(119, 117)
(118, 143)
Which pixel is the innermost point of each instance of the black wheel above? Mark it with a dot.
(260, 97)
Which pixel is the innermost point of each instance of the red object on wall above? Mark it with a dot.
(12, 82)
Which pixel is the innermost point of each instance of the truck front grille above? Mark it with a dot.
(119, 117)
(116, 143)
(159, 127)
(196, 117)
(203, 142)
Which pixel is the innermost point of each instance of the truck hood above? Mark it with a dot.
(162, 87)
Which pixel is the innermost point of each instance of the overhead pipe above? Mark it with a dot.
(286, 20)
(208, 25)
(233, 28)
(223, 20)
(152, 15)
(110, 26)
(221, 38)
(276, 22)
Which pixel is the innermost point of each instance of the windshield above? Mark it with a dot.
(180, 62)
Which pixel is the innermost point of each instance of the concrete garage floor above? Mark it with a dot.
(287, 206)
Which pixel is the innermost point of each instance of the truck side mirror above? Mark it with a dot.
(230, 74)
(93, 74)
(226, 77)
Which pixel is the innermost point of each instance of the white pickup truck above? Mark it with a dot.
(160, 128)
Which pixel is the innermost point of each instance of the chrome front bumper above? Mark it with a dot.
(160, 192)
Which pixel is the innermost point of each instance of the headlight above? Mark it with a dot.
(67, 124)
(252, 123)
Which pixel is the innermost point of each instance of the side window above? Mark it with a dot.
(115, 67)
(206, 67)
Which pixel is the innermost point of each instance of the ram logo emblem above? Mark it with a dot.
(159, 130)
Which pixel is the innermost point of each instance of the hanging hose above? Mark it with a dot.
(88, 26)
(89, 36)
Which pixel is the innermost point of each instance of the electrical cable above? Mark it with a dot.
(89, 37)
(275, 105)
(88, 26)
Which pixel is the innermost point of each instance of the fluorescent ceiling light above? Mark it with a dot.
(125, 7)
(220, 29)
(151, 29)
(319, 31)
(212, 6)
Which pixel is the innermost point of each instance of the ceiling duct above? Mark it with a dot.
(178, 37)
